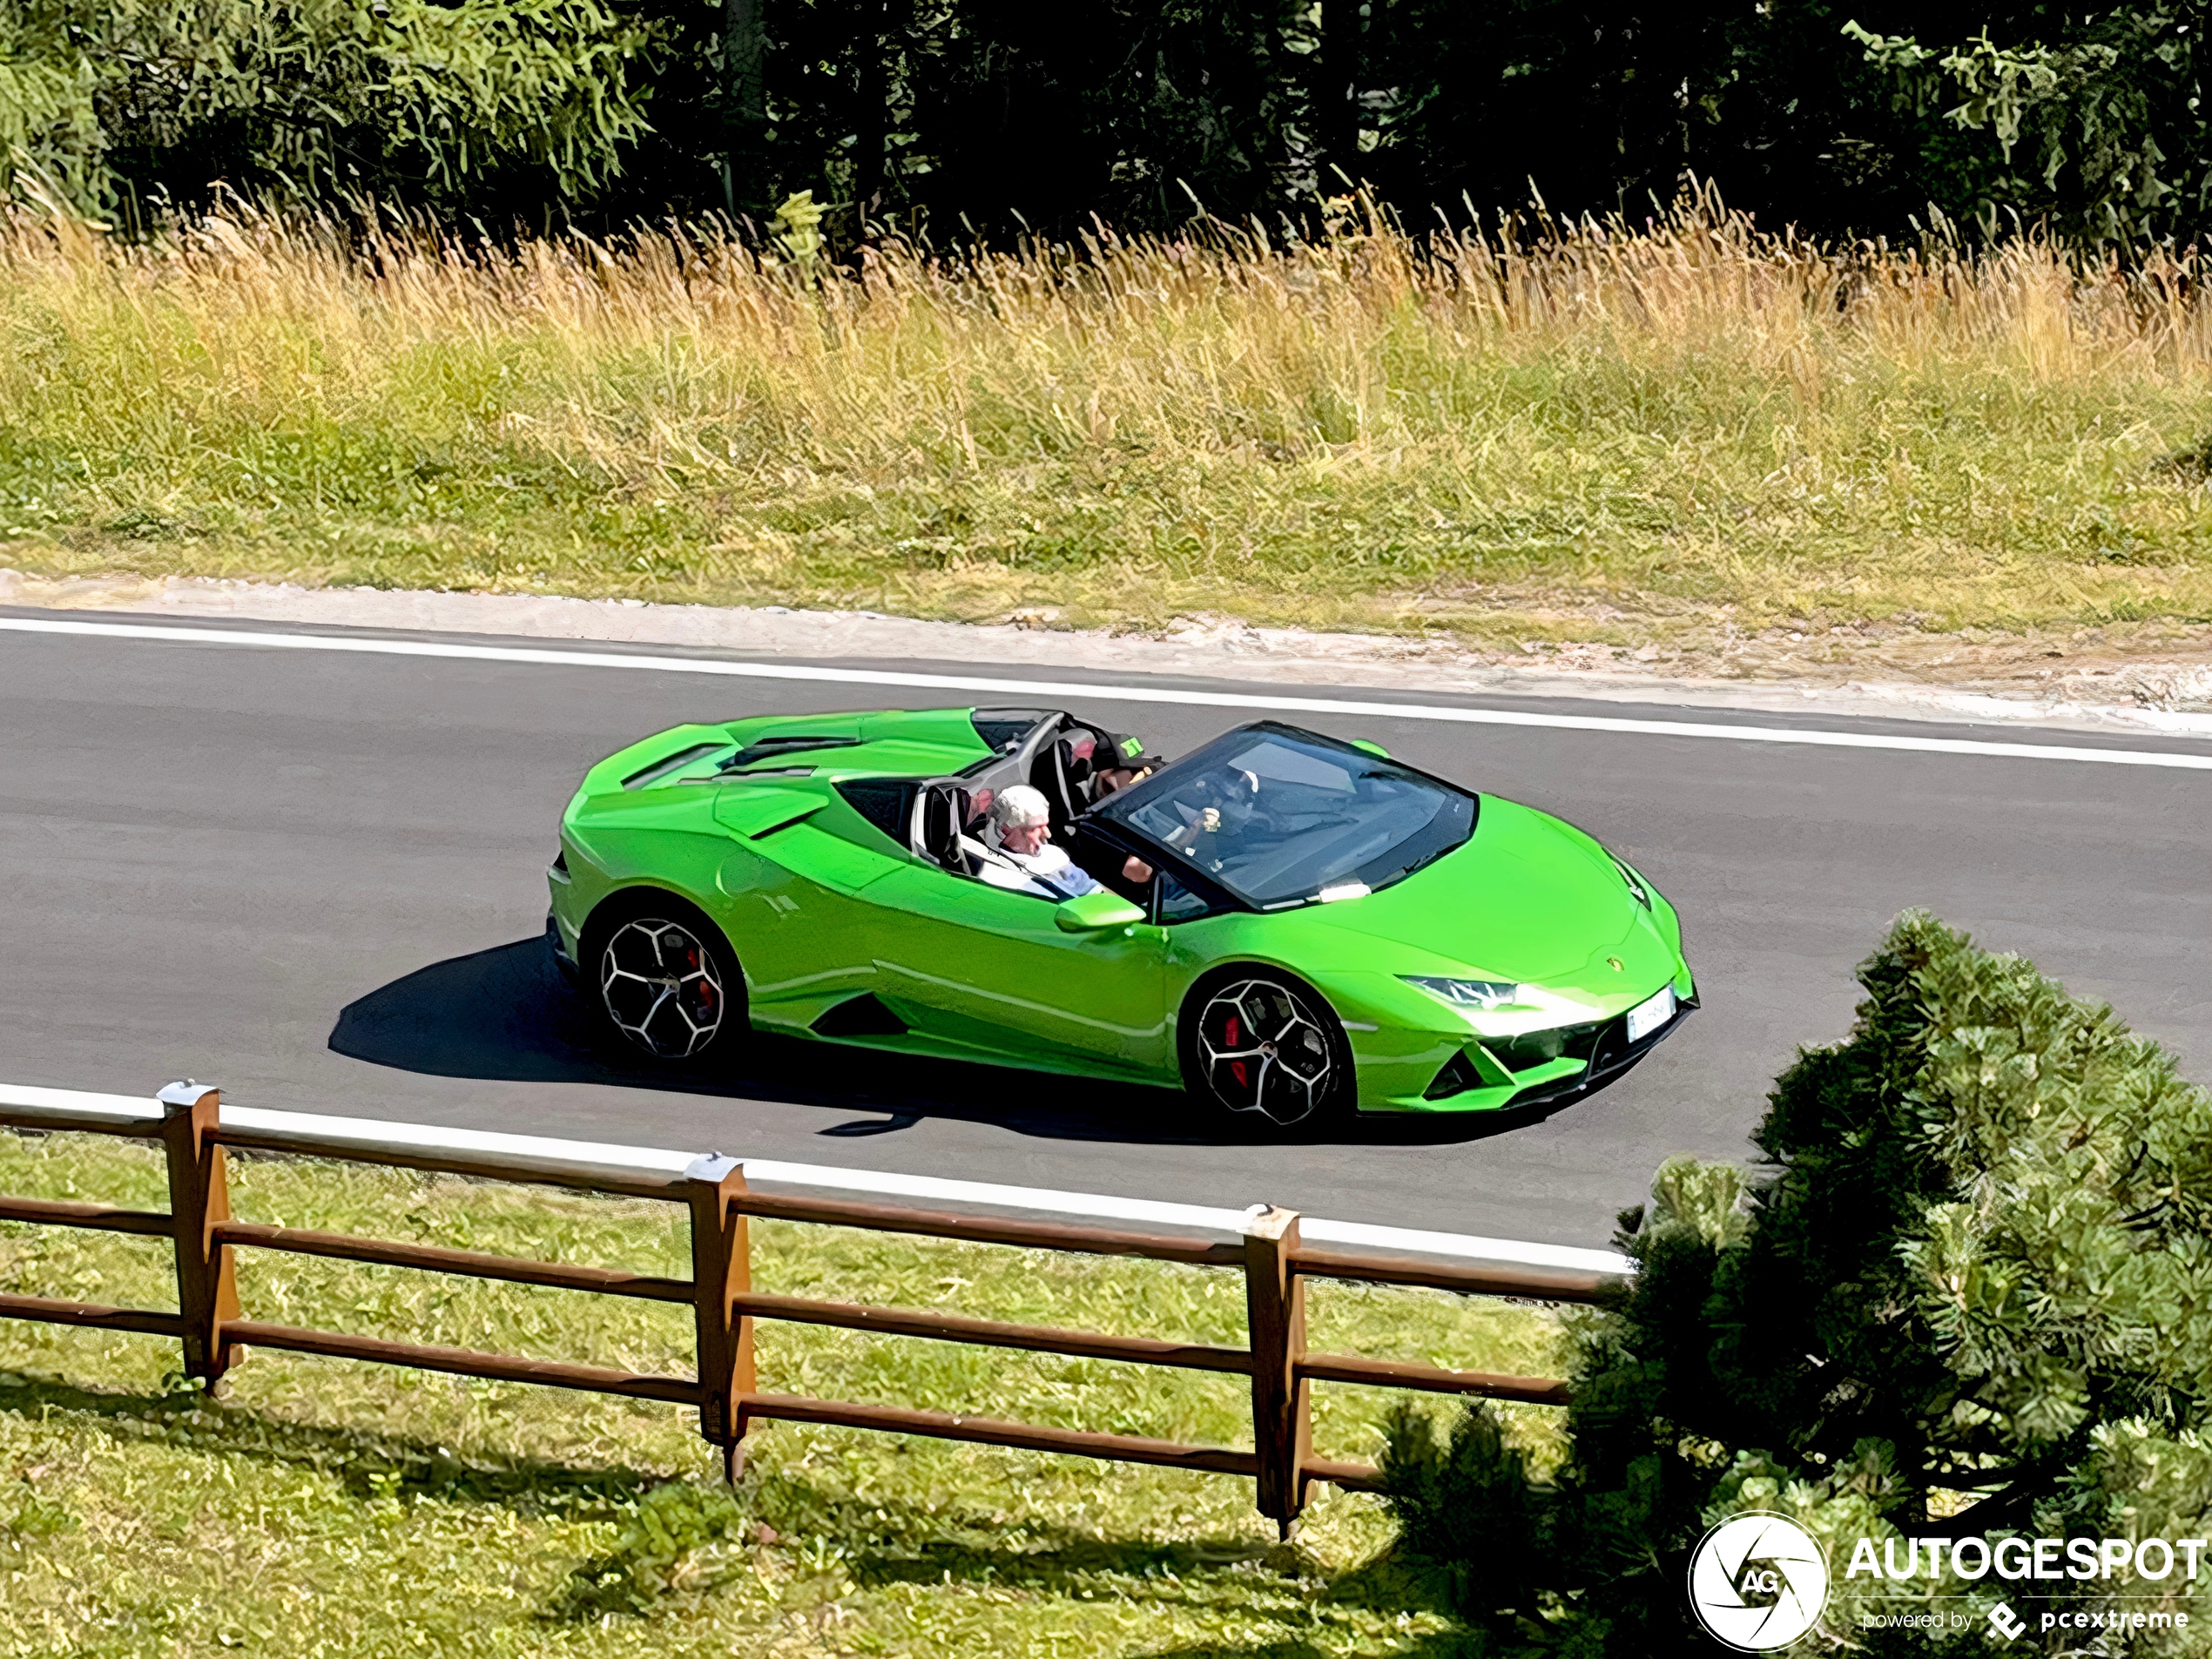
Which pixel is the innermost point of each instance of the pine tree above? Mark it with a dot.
(1969, 1292)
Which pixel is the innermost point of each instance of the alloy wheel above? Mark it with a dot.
(661, 988)
(1262, 1049)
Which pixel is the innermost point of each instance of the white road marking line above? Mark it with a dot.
(430, 1137)
(1085, 691)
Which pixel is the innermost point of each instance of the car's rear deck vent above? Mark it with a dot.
(667, 765)
(1457, 1076)
(786, 743)
(860, 1016)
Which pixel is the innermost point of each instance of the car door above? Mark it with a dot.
(792, 892)
(992, 969)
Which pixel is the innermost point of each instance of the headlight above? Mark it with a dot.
(1636, 886)
(1469, 993)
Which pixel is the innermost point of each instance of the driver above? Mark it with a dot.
(1026, 861)
(1204, 816)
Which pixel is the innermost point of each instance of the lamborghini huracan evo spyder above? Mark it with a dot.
(1327, 929)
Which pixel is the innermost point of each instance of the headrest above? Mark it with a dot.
(944, 814)
(942, 808)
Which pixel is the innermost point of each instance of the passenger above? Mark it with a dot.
(1026, 861)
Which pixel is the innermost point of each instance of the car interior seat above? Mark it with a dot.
(945, 813)
(1068, 785)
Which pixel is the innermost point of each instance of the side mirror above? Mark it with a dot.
(1375, 749)
(1094, 913)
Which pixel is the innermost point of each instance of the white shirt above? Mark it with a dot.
(1019, 872)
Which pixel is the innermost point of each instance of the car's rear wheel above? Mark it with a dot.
(664, 979)
(1254, 1040)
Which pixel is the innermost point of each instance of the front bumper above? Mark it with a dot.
(558, 948)
(1496, 1088)
(1613, 1054)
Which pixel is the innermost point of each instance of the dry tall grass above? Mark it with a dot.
(1601, 434)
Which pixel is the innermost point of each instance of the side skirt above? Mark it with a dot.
(938, 1048)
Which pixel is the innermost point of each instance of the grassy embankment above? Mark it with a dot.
(321, 1507)
(1662, 439)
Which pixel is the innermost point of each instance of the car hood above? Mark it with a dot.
(1528, 898)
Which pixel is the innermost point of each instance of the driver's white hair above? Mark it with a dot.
(1020, 804)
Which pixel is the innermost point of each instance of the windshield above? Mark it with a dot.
(1278, 816)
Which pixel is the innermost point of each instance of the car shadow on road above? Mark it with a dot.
(505, 1015)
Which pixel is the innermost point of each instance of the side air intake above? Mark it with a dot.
(1457, 1076)
(864, 1016)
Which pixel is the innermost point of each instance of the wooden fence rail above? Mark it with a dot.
(1275, 1265)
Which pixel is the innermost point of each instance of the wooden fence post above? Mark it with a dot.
(1275, 1308)
(199, 1197)
(721, 1271)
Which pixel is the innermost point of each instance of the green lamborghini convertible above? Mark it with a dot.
(1319, 928)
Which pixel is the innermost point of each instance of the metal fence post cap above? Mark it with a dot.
(183, 1097)
(709, 1166)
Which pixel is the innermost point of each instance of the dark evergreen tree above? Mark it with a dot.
(492, 106)
(2089, 122)
(1968, 1294)
(985, 117)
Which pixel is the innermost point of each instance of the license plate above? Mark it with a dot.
(1647, 1017)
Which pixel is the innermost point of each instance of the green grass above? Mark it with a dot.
(1669, 438)
(323, 1507)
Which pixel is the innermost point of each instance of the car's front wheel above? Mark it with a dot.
(1258, 1041)
(665, 979)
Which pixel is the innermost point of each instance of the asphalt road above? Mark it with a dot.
(317, 879)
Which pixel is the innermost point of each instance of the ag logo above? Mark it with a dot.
(1758, 1581)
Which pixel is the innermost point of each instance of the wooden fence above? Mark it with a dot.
(1274, 1262)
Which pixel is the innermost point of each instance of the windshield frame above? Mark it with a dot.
(1115, 809)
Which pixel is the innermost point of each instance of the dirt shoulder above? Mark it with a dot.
(2112, 679)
